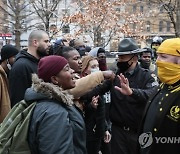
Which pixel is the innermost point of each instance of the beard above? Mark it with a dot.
(42, 52)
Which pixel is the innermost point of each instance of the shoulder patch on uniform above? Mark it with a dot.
(174, 113)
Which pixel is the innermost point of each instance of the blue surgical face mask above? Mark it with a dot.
(94, 69)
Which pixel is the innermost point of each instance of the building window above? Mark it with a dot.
(134, 26)
(40, 26)
(149, 5)
(141, 9)
(160, 26)
(134, 8)
(168, 28)
(161, 9)
(148, 26)
(66, 29)
(118, 9)
(66, 11)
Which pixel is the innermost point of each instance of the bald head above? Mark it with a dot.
(38, 44)
(36, 35)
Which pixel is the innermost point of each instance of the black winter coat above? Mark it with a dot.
(20, 77)
(161, 121)
(95, 120)
(128, 110)
(56, 125)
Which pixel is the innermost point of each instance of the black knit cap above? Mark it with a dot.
(8, 51)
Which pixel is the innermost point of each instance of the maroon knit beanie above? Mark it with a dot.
(50, 66)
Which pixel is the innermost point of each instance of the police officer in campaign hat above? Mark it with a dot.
(130, 91)
(133, 86)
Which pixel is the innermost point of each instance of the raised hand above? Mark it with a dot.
(124, 85)
(94, 102)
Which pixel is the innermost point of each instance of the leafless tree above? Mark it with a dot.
(105, 19)
(46, 10)
(17, 12)
(172, 9)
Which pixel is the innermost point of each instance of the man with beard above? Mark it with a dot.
(161, 120)
(26, 64)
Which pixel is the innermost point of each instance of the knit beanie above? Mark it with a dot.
(170, 46)
(8, 51)
(50, 66)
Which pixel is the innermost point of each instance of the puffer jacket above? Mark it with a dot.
(56, 125)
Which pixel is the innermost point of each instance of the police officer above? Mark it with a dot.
(156, 42)
(161, 121)
(132, 89)
(129, 94)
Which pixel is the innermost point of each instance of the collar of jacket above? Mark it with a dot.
(26, 55)
(51, 91)
(130, 73)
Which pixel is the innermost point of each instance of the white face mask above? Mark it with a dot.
(94, 69)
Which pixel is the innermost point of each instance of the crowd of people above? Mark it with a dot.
(84, 107)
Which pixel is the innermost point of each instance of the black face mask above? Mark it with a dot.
(81, 51)
(102, 64)
(145, 64)
(123, 66)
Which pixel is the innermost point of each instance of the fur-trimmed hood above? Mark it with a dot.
(43, 90)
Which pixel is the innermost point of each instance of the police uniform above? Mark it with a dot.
(126, 111)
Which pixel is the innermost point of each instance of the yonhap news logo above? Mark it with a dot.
(146, 139)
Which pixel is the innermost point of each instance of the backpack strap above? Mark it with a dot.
(14, 129)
